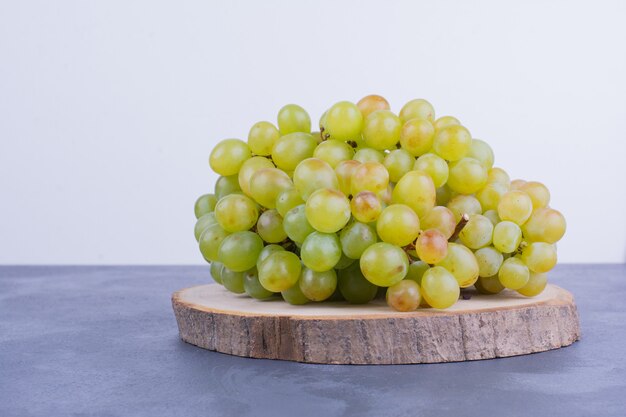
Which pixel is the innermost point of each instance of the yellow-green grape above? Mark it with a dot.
(398, 224)
(443, 195)
(204, 205)
(371, 103)
(355, 238)
(538, 193)
(416, 271)
(544, 225)
(333, 151)
(267, 251)
(467, 176)
(445, 121)
(287, 200)
(404, 296)
(417, 136)
(536, 284)
(291, 149)
(369, 176)
(461, 263)
(440, 218)
(262, 137)
(328, 210)
(296, 224)
(489, 196)
(240, 251)
(366, 207)
(539, 256)
(517, 184)
(293, 118)
(226, 185)
(417, 109)
(385, 195)
(464, 204)
(236, 213)
(431, 246)
(320, 251)
(492, 215)
(318, 137)
(384, 264)
(434, 166)
(344, 262)
(228, 156)
(253, 287)
(294, 295)
(381, 130)
(210, 241)
(344, 171)
(313, 174)
(270, 227)
(507, 236)
(266, 184)
(398, 162)
(482, 152)
(368, 155)
(279, 271)
(233, 280)
(477, 233)
(440, 288)
(499, 175)
(417, 190)
(344, 121)
(489, 285)
(515, 206)
(489, 261)
(248, 169)
(317, 286)
(354, 287)
(216, 271)
(452, 143)
(203, 223)
(513, 274)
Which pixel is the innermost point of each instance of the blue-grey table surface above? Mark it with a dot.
(102, 341)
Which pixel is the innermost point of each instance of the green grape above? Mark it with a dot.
(366, 207)
(262, 137)
(368, 155)
(381, 130)
(320, 251)
(489, 196)
(216, 271)
(233, 280)
(317, 286)
(270, 227)
(210, 241)
(404, 296)
(398, 162)
(240, 251)
(344, 171)
(204, 205)
(287, 200)
(467, 176)
(440, 288)
(344, 262)
(431, 246)
(226, 185)
(313, 174)
(513, 273)
(461, 263)
(544, 225)
(279, 271)
(416, 271)
(371, 103)
(236, 213)
(369, 176)
(417, 190)
(445, 121)
(515, 206)
(443, 195)
(492, 215)
(464, 204)
(539, 256)
(355, 238)
(267, 251)
(417, 109)
(266, 184)
(489, 285)
(228, 156)
(291, 149)
(507, 236)
(489, 261)
(333, 151)
(517, 184)
(384, 264)
(318, 137)
(434, 166)
(417, 136)
(538, 193)
(482, 152)
(477, 233)
(344, 121)
(536, 284)
(386, 194)
(327, 210)
(248, 169)
(253, 287)
(452, 143)
(398, 224)
(354, 287)
(293, 118)
(294, 295)
(203, 223)
(296, 224)
(440, 218)
(499, 175)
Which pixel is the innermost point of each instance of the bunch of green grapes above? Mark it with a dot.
(407, 205)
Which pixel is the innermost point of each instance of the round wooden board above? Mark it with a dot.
(485, 326)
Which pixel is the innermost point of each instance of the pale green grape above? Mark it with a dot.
(233, 280)
(236, 213)
(398, 162)
(368, 155)
(452, 142)
(253, 287)
(461, 263)
(371, 103)
(267, 251)
(384, 264)
(266, 184)
(513, 273)
(270, 227)
(369, 176)
(489, 285)
(226, 185)
(262, 137)
(210, 241)
(517, 184)
(313, 174)
(440, 218)
(228, 156)
(467, 176)
(216, 271)
(499, 175)
(398, 224)
(434, 166)
(464, 204)
(489, 196)
(204, 205)
(507, 236)
(287, 200)
(445, 121)
(320, 251)
(417, 136)
(489, 261)
(291, 149)
(344, 171)
(293, 118)
(333, 151)
(416, 271)
(536, 284)
(381, 130)
(538, 193)
(296, 224)
(355, 238)
(279, 271)
(544, 225)
(317, 286)
(203, 223)
(294, 295)
(354, 287)
(515, 206)
(248, 169)
(482, 152)
(477, 233)
(492, 215)
(328, 210)
(404, 296)
(417, 190)
(539, 256)
(440, 288)
(239, 251)
(417, 109)
(366, 207)
(344, 121)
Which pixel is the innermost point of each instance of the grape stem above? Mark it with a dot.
(460, 225)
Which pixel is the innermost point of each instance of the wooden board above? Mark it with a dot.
(485, 326)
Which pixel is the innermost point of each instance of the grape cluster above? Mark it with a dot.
(409, 205)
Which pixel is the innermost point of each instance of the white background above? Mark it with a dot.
(108, 110)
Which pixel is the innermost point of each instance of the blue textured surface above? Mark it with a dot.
(102, 341)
